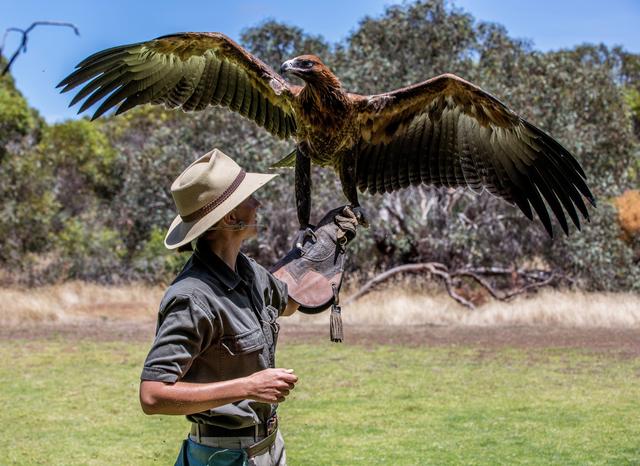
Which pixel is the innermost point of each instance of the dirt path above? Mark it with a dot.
(622, 342)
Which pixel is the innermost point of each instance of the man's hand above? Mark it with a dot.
(271, 385)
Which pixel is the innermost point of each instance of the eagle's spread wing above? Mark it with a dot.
(191, 71)
(448, 132)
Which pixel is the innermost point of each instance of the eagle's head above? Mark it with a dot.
(310, 69)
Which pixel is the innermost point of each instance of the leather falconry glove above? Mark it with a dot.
(313, 269)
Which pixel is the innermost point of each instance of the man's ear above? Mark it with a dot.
(230, 218)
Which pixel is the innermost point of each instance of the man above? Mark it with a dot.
(213, 358)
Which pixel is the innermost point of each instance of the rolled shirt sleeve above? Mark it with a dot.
(185, 329)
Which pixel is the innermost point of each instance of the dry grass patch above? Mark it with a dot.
(77, 301)
(73, 301)
(396, 306)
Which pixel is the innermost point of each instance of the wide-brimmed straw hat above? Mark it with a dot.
(205, 192)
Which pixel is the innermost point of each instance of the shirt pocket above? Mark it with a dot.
(247, 342)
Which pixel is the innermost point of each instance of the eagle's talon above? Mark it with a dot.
(303, 235)
(362, 220)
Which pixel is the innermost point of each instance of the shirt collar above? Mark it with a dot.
(219, 268)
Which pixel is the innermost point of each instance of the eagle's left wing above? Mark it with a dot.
(449, 132)
(192, 71)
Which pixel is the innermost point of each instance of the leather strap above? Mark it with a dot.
(263, 445)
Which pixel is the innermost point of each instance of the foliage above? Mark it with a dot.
(81, 144)
(88, 250)
(153, 262)
(275, 43)
(17, 120)
(116, 174)
(598, 256)
(28, 206)
(83, 159)
(406, 45)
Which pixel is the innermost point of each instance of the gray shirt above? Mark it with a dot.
(217, 324)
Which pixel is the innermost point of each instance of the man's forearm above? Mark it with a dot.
(189, 398)
(265, 386)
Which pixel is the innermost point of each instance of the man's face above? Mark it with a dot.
(246, 213)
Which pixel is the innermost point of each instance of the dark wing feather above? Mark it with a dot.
(191, 71)
(448, 132)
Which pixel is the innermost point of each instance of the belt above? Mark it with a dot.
(208, 430)
(269, 430)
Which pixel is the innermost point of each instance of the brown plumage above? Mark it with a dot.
(444, 131)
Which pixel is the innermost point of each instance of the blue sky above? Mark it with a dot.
(53, 51)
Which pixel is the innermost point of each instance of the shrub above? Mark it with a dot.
(153, 262)
(89, 251)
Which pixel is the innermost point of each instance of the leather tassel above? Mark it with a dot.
(335, 324)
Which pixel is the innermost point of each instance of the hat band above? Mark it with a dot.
(204, 210)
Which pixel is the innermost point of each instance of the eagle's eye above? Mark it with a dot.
(306, 64)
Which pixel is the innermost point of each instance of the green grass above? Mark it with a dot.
(76, 403)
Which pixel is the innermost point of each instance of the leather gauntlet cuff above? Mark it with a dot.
(313, 269)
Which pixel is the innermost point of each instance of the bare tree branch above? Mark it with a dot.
(435, 268)
(22, 48)
(540, 278)
(399, 218)
(507, 296)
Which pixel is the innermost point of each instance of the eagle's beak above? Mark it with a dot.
(286, 66)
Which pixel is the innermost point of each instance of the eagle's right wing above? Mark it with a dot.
(449, 132)
(191, 71)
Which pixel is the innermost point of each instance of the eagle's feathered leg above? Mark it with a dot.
(303, 196)
(303, 187)
(347, 173)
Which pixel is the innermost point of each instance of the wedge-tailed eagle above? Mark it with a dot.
(444, 131)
